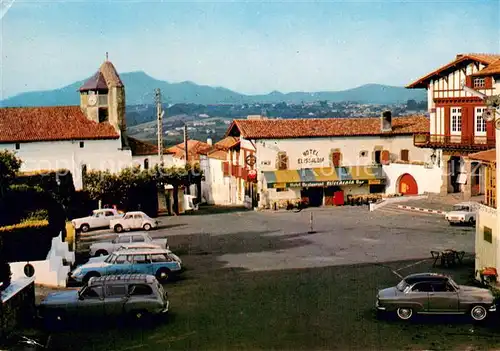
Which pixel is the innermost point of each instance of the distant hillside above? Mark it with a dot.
(140, 90)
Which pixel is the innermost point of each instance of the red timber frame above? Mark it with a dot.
(468, 142)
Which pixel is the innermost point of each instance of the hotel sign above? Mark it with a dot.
(310, 156)
(320, 184)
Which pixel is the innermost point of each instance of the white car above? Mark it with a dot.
(463, 213)
(99, 219)
(136, 246)
(138, 240)
(133, 220)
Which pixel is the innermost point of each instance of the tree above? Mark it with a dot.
(9, 166)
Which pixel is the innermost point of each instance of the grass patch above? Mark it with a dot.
(322, 308)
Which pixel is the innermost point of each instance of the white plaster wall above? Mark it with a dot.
(428, 179)
(216, 187)
(486, 252)
(96, 154)
(450, 85)
(267, 150)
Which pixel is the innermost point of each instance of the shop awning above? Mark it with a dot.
(324, 177)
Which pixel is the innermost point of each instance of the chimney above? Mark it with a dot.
(386, 121)
(209, 141)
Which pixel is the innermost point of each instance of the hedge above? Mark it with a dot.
(28, 241)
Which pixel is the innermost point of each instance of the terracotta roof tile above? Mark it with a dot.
(485, 156)
(492, 69)
(227, 143)
(327, 127)
(486, 59)
(218, 154)
(195, 149)
(30, 124)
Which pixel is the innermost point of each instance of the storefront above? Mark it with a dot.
(322, 186)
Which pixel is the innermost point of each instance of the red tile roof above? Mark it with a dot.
(218, 154)
(30, 124)
(485, 156)
(96, 82)
(227, 143)
(325, 127)
(492, 69)
(195, 149)
(486, 59)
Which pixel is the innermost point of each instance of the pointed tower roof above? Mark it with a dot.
(96, 82)
(110, 75)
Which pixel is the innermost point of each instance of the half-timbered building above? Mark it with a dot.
(456, 126)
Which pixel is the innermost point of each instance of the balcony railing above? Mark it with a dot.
(453, 141)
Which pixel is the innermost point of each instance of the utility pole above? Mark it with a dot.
(186, 153)
(159, 117)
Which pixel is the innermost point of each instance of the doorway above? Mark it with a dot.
(313, 195)
(407, 185)
(454, 171)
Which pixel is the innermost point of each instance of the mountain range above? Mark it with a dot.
(140, 88)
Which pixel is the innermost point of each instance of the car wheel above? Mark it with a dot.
(162, 274)
(90, 275)
(147, 227)
(404, 313)
(101, 253)
(118, 228)
(84, 228)
(478, 313)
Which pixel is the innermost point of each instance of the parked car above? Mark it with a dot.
(103, 248)
(157, 262)
(133, 220)
(136, 246)
(137, 296)
(99, 219)
(464, 213)
(432, 293)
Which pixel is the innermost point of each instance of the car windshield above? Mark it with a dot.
(110, 259)
(460, 208)
(402, 285)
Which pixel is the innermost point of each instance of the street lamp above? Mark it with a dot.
(433, 157)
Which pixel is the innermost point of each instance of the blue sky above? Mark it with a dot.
(250, 47)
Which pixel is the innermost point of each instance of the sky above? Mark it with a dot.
(251, 47)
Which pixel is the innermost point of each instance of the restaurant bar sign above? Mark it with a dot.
(322, 184)
(310, 156)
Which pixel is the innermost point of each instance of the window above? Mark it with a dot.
(121, 259)
(92, 292)
(479, 83)
(109, 214)
(456, 120)
(158, 258)
(116, 290)
(377, 156)
(128, 217)
(487, 235)
(442, 286)
(490, 172)
(137, 216)
(82, 144)
(479, 120)
(138, 239)
(146, 163)
(141, 259)
(405, 155)
(422, 287)
(140, 289)
(282, 161)
(363, 153)
(99, 214)
(103, 115)
(124, 239)
(18, 146)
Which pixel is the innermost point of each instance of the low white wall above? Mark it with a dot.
(428, 179)
(51, 271)
(392, 200)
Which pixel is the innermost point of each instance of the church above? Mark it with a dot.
(92, 136)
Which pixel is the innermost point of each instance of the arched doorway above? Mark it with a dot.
(407, 185)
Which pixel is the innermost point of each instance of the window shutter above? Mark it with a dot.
(488, 82)
(225, 168)
(405, 155)
(468, 81)
(385, 157)
(336, 158)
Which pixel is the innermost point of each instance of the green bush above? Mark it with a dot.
(28, 241)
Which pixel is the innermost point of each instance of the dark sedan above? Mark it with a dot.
(431, 293)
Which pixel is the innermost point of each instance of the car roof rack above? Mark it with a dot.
(146, 278)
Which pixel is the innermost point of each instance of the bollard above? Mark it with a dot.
(311, 230)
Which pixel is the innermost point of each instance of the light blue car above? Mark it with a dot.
(158, 262)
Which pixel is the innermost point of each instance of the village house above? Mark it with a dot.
(322, 161)
(456, 126)
(91, 136)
